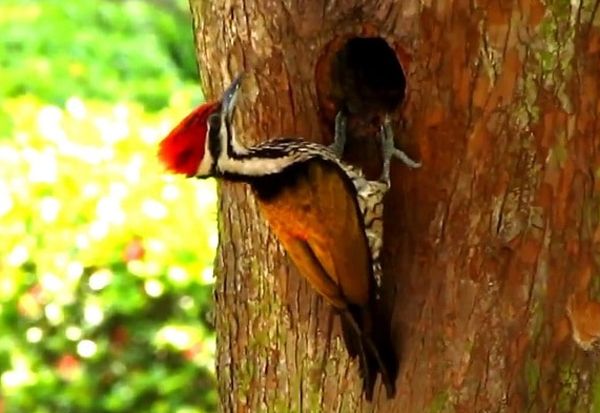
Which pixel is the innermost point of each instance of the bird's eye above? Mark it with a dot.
(214, 121)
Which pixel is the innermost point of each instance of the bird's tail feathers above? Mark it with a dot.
(370, 341)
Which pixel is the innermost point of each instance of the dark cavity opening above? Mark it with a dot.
(367, 77)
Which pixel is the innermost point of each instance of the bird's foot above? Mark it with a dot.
(389, 151)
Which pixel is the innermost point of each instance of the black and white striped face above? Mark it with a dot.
(219, 131)
(206, 167)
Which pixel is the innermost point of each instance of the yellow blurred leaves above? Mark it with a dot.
(81, 182)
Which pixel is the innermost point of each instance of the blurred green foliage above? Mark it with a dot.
(108, 49)
(106, 273)
(106, 264)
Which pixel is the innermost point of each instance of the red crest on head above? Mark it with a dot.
(182, 150)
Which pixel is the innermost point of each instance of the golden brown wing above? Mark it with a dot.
(309, 266)
(316, 219)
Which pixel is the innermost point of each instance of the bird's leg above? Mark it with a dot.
(339, 142)
(389, 151)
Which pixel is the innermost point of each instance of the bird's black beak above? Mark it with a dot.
(230, 96)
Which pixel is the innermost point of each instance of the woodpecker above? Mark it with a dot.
(325, 213)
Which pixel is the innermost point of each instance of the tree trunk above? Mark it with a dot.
(491, 254)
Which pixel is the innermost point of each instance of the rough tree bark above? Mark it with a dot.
(492, 249)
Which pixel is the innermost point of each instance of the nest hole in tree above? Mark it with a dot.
(360, 75)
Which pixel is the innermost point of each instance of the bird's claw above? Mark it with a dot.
(390, 151)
